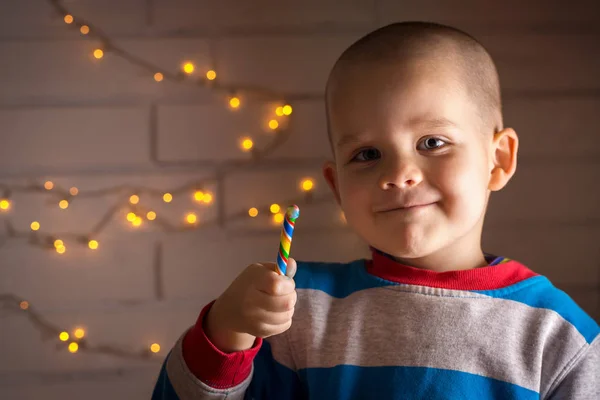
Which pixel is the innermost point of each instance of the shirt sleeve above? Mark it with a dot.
(582, 382)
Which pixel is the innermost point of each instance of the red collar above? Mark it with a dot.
(484, 278)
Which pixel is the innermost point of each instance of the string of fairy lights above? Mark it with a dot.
(131, 198)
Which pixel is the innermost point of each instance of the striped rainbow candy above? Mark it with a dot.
(292, 213)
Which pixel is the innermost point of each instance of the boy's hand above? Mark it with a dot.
(258, 303)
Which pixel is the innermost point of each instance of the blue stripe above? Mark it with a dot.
(281, 264)
(163, 390)
(288, 228)
(337, 280)
(538, 292)
(353, 382)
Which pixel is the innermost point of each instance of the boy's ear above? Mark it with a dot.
(330, 174)
(504, 158)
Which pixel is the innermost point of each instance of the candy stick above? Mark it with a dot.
(293, 212)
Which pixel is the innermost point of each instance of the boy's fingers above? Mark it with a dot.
(291, 268)
(274, 284)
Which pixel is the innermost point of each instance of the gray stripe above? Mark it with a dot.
(436, 328)
(188, 387)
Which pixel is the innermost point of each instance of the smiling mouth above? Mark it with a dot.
(405, 208)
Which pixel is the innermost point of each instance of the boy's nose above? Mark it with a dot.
(401, 174)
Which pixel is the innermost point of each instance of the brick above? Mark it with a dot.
(73, 137)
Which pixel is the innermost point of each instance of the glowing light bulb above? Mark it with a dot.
(307, 185)
(273, 124)
(98, 53)
(234, 102)
(134, 199)
(211, 75)
(274, 208)
(191, 218)
(131, 217)
(155, 347)
(64, 336)
(58, 243)
(151, 216)
(48, 185)
(79, 333)
(278, 218)
(63, 204)
(247, 144)
(188, 68)
(253, 212)
(158, 77)
(93, 244)
(167, 197)
(61, 249)
(68, 19)
(198, 195)
(208, 198)
(279, 111)
(4, 204)
(287, 109)
(24, 305)
(73, 347)
(137, 221)
(84, 29)
(35, 226)
(74, 191)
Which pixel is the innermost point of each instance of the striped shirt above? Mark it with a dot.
(376, 329)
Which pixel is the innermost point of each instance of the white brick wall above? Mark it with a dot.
(81, 122)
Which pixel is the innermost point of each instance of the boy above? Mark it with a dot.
(415, 123)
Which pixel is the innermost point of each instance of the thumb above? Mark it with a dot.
(291, 268)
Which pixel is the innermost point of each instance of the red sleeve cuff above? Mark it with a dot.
(212, 366)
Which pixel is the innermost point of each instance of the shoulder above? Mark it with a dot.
(539, 293)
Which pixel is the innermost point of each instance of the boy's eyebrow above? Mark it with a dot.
(347, 139)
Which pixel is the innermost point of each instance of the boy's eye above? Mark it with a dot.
(431, 143)
(367, 155)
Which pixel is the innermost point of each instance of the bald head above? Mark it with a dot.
(438, 46)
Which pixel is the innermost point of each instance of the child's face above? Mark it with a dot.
(412, 166)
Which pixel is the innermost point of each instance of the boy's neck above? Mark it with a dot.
(462, 255)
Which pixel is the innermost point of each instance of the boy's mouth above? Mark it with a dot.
(403, 207)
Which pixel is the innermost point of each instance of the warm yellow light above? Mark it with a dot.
(155, 347)
(211, 75)
(278, 218)
(4, 204)
(131, 217)
(274, 208)
(253, 212)
(48, 185)
(208, 198)
(307, 185)
(198, 195)
(24, 305)
(151, 215)
(191, 218)
(343, 217)
(35, 226)
(84, 29)
(273, 124)
(188, 67)
(98, 53)
(158, 77)
(58, 243)
(79, 333)
(68, 19)
(137, 221)
(73, 347)
(63, 204)
(74, 191)
(234, 102)
(93, 244)
(64, 336)
(247, 144)
(167, 197)
(279, 111)
(134, 199)
(61, 249)
(287, 109)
